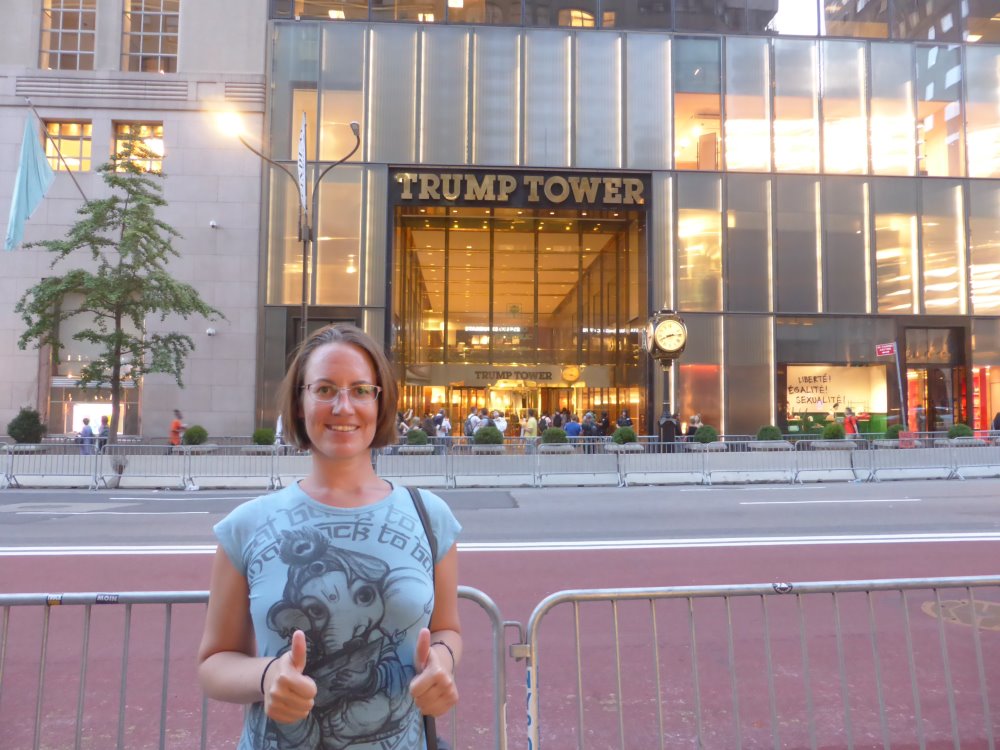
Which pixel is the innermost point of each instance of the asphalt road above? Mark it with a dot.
(534, 518)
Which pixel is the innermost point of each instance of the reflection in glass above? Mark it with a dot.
(892, 125)
(936, 20)
(797, 267)
(697, 104)
(341, 85)
(895, 246)
(943, 241)
(493, 12)
(845, 111)
(796, 106)
(284, 248)
(940, 131)
(868, 20)
(783, 17)
(699, 371)
(635, 14)
(983, 115)
(846, 245)
(982, 22)
(710, 15)
(424, 11)
(748, 114)
(338, 241)
(748, 243)
(699, 243)
(984, 246)
(581, 14)
(749, 388)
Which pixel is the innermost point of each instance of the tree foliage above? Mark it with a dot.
(124, 284)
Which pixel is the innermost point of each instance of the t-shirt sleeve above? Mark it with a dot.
(233, 531)
(446, 527)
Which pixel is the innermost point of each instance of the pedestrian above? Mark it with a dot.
(590, 431)
(279, 432)
(444, 426)
(177, 428)
(333, 609)
(996, 422)
(471, 422)
(605, 424)
(103, 433)
(693, 424)
(850, 422)
(624, 420)
(86, 438)
(498, 421)
(572, 426)
(530, 427)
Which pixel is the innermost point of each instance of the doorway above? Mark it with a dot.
(932, 399)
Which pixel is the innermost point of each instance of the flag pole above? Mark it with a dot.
(56, 147)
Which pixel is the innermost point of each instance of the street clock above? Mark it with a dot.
(666, 336)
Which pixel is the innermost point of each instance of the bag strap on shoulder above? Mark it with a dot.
(430, 726)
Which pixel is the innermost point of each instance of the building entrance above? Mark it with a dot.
(519, 307)
(936, 395)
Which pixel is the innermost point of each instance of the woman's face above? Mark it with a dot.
(342, 428)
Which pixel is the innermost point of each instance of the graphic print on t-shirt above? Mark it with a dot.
(339, 598)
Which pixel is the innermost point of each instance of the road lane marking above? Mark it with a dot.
(591, 545)
(189, 496)
(110, 512)
(828, 502)
(756, 489)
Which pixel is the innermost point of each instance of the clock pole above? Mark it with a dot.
(666, 337)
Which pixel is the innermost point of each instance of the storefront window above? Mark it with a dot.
(697, 104)
(748, 110)
(699, 243)
(892, 124)
(748, 243)
(845, 111)
(846, 245)
(940, 125)
(896, 248)
(797, 267)
(943, 244)
(984, 246)
(983, 115)
(796, 106)
(851, 18)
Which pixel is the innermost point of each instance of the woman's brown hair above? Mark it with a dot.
(290, 395)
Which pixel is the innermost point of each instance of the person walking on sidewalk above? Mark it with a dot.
(333, 608)
(177, 428)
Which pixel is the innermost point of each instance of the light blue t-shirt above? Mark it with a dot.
(358, 582)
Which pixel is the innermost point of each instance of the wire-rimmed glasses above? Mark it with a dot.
(328, 393)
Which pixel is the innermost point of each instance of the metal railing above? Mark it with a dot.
(828, 664)
(118, 671)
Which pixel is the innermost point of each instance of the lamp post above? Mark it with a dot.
(308, 204)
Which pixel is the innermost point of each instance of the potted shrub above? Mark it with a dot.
(891, 437)
(769, 438)
(27, 430)
(833, 438)
(416, 443)
(262, 442)
(706, 438)
(962, 434)
(554, 440)
(195, 440)
(624, 440)
(487, 440)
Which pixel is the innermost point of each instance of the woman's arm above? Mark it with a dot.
(434, 688)
(228, 668)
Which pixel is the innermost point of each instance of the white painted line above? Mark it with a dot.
(751, 488)
(111, 513)
(680, 543)
(188, 496)
(830, 502)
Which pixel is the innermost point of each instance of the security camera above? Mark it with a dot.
(210, 331)
(213, 224)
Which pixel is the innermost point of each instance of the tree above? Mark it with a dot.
(129, 250)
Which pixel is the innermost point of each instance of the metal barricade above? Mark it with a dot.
(493, 466)
(421, 465)
(142, 467)
(51, 465)
(661, 463)
(898, 663)
(831, 460)
(751, 460)
(236, 466)
(118, 671)
(578, 464)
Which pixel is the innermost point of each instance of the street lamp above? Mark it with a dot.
(230, 122)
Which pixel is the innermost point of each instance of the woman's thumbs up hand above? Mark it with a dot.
(433, 689)
(288, 693)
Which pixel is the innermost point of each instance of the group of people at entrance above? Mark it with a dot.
(91, 443)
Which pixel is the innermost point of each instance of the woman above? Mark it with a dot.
(326, 613)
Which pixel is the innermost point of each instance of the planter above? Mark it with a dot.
(624, 448)
(833, 445)
(416, 450)
(770, 445)
(968, 442)
(27, 448)
(487, 449)
(255, 450)
(886, 444)
(714, 447)
(196, 450)
(556, 448)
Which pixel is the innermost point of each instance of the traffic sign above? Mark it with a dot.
(885, 350)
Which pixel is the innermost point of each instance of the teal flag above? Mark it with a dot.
(34, 178)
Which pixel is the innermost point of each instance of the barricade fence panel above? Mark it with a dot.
(101, 671)
(901, 663)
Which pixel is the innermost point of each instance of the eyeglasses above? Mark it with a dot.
(328, 393)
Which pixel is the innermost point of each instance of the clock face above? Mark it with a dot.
(670, 335)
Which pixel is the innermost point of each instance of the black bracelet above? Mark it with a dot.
(264, 673)
(450, 653)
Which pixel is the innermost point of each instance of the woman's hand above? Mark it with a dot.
(433, 689)
(288, 693)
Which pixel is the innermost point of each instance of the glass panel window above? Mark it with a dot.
(748, 109)
(796, 106)
(940, 131)
(984, 246)
(943, 243)
(149, 36)
(582, 14)
(636, 14)
(710, 15)
(341, 82)
(72, 141)
(748, 243)
(845, 111)
(983, 116)
(495, 13)
(749, 373)
(326, 9)
(797, 267)
(422, 11)
(896, 248)
(699, 243)
(938, 20)
(892, 125)
(697, 104)
(847, 245)
(148, 154)
(68, 28)
(982, 24)
(699, 371)
(782, 17)
(869, 20)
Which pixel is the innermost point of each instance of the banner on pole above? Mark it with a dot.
(885, 350)
(302, 163)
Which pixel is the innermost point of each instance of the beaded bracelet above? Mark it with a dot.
(264, 673)
(450, 653)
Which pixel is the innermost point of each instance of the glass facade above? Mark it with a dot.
(808, 198)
